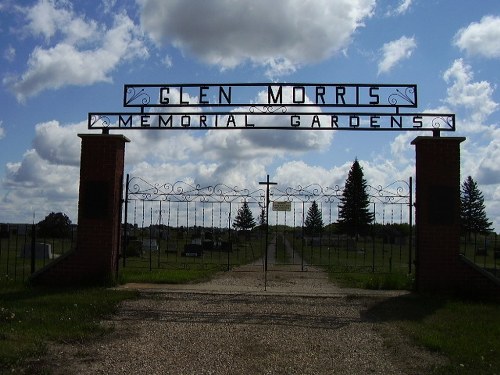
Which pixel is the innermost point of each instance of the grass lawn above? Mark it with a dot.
(466, 332)
(31, 317)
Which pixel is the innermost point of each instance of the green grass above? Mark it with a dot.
(31, 317)
(466, 332)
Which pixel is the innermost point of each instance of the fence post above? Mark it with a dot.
(410, 218)
(33, 247)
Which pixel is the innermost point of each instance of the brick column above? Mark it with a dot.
(95, 257)
(437, 213)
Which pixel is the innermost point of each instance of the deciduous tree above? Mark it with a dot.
(55, 225)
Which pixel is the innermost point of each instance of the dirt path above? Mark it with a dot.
(246, 322)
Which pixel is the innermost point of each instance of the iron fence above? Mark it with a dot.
(182, 225)
(187, 225)
(23, 251)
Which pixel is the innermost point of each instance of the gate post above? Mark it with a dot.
(437, 213)
(95, 257)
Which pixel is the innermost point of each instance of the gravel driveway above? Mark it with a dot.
(282, 322)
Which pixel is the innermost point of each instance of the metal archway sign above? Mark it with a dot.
(278, 106)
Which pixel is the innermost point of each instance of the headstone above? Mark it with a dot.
(42, 251)
(192, 250)
(149, 244)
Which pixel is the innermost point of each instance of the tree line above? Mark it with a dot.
(355, 217)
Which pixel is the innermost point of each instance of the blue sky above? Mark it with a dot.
(62, 59)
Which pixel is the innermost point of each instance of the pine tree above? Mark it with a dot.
(472, 210)
(354, 213)
(262, 218)
(244, 218)
(314, 220)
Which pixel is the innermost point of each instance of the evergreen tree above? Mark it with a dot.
(314, 220)
(244, 218)
(354, 212)
(472, 210)
(262, 218)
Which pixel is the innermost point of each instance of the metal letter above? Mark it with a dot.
(354, 121)
(375, 96)
(417, 122)
(340, 90)
(320, 93)
(203, 94)
(395, 121)
(302, 91)
(145, 121)
(163, 122)
(374, 121)
(225, 94)
(164, 99)
(315, 121)
(187, 123)
(247, 125)
(271, 98)
(124, 123)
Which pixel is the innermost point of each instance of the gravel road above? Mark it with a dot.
(282, 322)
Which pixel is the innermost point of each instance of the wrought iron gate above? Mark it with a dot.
(181, 225)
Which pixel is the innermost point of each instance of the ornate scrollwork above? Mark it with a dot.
(132, 95)
(99, 121)
(181, 191)
(407, 95)
(442, 121)
(397, 192)
(267, 109)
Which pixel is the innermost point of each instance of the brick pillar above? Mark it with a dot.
(437, 213)
(95, 257)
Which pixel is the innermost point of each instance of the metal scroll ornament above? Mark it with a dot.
(133, 95)
(408, 96)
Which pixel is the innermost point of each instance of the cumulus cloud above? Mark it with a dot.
(278, 35)
(58, 144)
(47, 18)
(2, 130)
(85, 53)
(394, 52)
(480, 38)
(464, 93)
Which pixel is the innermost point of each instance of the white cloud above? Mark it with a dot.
(394, 52)
(58, 144)
(167, 61)
(2, 130)
(463, 93)
(9, 54)
(85, 54)
(480, 38)
(47, 18)
(400, 9)
(277, 35)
